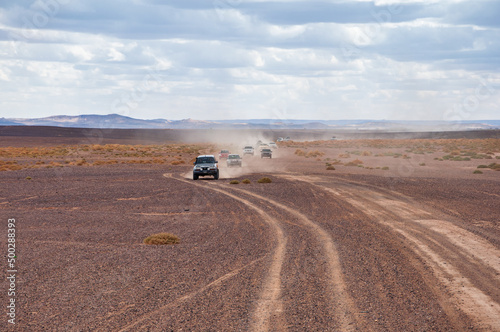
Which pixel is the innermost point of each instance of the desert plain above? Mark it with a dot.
(355, 234)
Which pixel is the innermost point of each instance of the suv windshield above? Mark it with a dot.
(234, 156)
(205, 160)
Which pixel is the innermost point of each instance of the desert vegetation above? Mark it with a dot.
(16, 158)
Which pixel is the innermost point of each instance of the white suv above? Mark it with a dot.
(248, 150)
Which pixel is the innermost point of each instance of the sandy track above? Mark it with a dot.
(340, 301)
(467, 265)
(268, 312)
(269, 306)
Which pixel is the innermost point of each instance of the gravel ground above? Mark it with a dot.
(311, 251)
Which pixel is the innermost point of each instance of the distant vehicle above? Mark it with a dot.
(273, 145)
(205, 165)
(333, 138)
(223, 154)
(266, 153)
(234, 160)
(280, 139)
(286, 139)
(248, 150)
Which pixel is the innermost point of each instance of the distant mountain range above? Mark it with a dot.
(115, 121)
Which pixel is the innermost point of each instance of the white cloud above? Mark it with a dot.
(248, 59)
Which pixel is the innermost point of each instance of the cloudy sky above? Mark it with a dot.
(243, 59)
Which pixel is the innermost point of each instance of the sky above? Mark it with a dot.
(251, 59)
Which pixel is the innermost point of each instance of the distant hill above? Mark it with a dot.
(116, 121)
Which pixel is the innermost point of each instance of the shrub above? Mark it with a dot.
(477, 172)
(177, 162)
(246, 181)
(355, 162)
(421, 164)
(482, 166)
(28, 178)
(234, 182)
(385, 168)
(300, 152)
(264, 180)
(162, 238)
(330, 168)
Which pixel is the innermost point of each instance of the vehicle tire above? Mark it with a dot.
(195, 177)
(216, 176)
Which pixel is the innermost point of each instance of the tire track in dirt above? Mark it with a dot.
(466, 264)
(342, 304)
(269, 306)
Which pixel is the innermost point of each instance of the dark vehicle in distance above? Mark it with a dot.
(266, 153)
(205, 165)
(234, 160)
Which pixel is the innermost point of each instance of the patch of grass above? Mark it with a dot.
(355, 162)
(330, 168)
(28, 178)
(177, 162)
(385, 168)
(162, 239)
(234, 182)
(482, 166)
(246, 181)
(477, 172)
(264, 180)
(421, 164)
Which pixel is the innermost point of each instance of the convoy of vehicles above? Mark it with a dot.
(207, 165)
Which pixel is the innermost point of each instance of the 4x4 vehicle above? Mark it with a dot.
(223, 154)
(273, 145)
(205, 165)
(248, 150)
(234, 160)
(266, 153)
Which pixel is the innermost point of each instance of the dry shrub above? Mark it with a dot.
(344, 155)
(162, 238)
(300, 152)
(355, 162)
(330, 168)
(264, 180)
(177, 162)
(246, 181)
(315, 153)
(477, 172)
(366, 153)
(234, 182)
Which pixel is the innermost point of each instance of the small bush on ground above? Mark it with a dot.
(161, 239)
(264, 180)
(330, 168)
(246, 181)
(234, 182)
(477, 172)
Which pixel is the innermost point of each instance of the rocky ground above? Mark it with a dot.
(408, 248)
